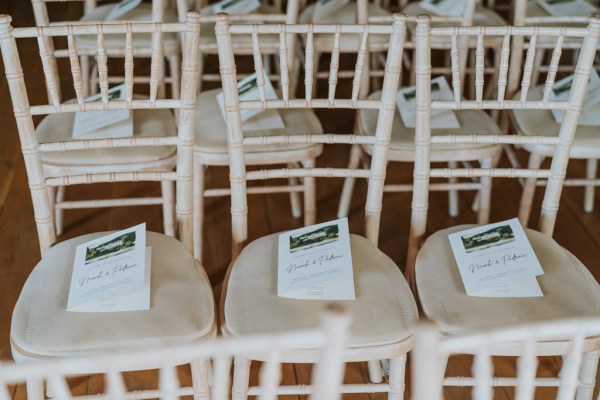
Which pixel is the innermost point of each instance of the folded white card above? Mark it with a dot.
(122, 8)
(233, 7)
(561, 92)
(407, 105)
(248, 89)
(493, 255)
(315, 263)
(110, 265)
(324, 9)
(567, 8)
(449, 8)
(104, 124)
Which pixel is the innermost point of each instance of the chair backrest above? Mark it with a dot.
(233, 105)
(24, 111)
(525, 342)
(328, 339)
(555, 175)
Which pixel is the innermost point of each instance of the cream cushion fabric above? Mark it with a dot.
(402, 146)
(210, 140)
(586, 143)
(141, 13)
(570, 291)
(384, 310)
(146, 123)
(181, 306)
(345, 15)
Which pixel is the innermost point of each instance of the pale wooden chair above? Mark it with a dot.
(170, 382)
(41, 327)
(210, 138)
(574, 339)
(56, 127)
(92, 12)
(268, 12)
(586, 144)
(249, 303)
(570, 291)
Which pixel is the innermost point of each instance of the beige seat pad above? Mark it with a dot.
(570, 291)
(181, 305)
(142, 13)
(402, 146)
(586, 143)
(210, 140)
(384, 310)
(483, 17)
(146, 123)
(345, 15)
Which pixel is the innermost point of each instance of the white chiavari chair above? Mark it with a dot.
(210, 138)
(586, 145)
(41, 326)
(249, 303)
(575, 340)
(125, 373)
(56, 127)
(569, 290)
(144, 12)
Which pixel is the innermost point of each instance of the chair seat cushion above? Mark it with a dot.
(210, 141)
(586, 143)
(402, 146)
(345, 15)
(384, 310)
(570, 291)
(181, 305)
(141, 13)
(146, 123)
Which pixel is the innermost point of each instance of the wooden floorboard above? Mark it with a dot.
(576, 231)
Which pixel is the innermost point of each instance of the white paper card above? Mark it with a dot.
(324, 9)
(122, 8)
(407, 105)
(315, 263)
(107, 266)
(104, 124)
(233, 7)
(493, 255)
(248, 90)
(449, 8)
(562, 90)
(567, 8)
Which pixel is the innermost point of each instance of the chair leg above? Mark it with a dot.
(84, 62)
(348, 188)
(396, 379)
(168, 198)
(294, 196)
(174, 65)
(587, 375)
(200, 381)
(452, 193)
(375, 371)
(241, 377)
(485, 193)
(59, 212)
(198, 210)
(310, 195)
(535, 160)
(588, 197)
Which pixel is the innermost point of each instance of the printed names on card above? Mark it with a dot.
(497, 260)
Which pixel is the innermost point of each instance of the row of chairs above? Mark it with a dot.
(432, 353)
(385, 311)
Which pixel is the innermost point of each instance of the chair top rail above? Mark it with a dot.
(107, 28)
(108, 106)
(577, 32)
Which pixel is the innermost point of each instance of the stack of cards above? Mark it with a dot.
(562, 90)
(104, 124)
(407, 105)
(315, 263)
(497, 260)
(567, 8)
(253, 120)
(112, 273)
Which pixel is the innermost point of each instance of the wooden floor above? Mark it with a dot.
(576, 231)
